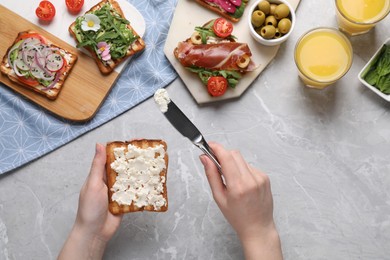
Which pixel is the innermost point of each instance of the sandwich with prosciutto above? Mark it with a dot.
(214, 54)
(230, 9)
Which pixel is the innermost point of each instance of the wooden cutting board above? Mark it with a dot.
(83, 91)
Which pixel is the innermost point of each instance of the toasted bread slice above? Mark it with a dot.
(219, 10)
(134, 196)
(53, 91)
(108, 66)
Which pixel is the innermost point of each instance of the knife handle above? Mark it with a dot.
(203, 145)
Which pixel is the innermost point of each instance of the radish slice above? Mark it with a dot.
(21, 65)
(56, 79)
(30, 42)
(54, 62)
(29, 54)
(46, 75)
(40, 60)
(39, 73)
(227, 6)
(17, 72)
(46, 51)
(236, 2)
(36, 71)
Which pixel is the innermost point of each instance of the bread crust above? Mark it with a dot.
(113, 206)
(107, 67)
(218, 10)
(54, 91)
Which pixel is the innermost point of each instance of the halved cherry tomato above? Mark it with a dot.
(216, 86)
(28, 81)
(222, 28)
(74, 5)
(32, 35)
(45, 11)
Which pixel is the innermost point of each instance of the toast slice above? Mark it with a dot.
(136, 176)
(36, 44)
(133, 45)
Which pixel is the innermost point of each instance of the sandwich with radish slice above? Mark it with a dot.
(38, 64)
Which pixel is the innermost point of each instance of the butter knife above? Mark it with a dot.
(182, 124)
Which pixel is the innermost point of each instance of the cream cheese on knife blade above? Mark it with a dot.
(162, 99)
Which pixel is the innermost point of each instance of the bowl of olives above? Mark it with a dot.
(271, 21)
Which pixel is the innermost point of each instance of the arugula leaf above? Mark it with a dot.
(204, 74)
(239, 11)
(207, 31)
(113, 30)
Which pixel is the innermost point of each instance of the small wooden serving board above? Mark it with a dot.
(85, 88)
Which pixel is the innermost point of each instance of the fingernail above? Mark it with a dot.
(203, 159)
(98, 148)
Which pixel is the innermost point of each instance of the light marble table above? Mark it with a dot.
(327, 154)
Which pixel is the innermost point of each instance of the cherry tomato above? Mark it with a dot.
(32, 35)
(216, 86)
(28, 81)
(222, 28)
(45, 11)
(74, 6)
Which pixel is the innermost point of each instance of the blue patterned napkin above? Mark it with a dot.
(28, 131)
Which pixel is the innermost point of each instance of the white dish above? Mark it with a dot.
(367, 67)
(270, 42)
(188, 15)
(63, 18)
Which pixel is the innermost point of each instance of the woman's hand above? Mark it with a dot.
(94, 225)
(244, 196)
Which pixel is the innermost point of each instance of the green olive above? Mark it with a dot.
(284, 25)
(264, 6)
(268, 32)
(258, 18)
(281, 11)
(272, 9)
(278, 34)
(258, 30)
(271, 20)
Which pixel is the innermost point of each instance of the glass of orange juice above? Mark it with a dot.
(356, 17)
(323, 55)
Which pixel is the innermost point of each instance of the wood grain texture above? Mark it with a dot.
(85, 88)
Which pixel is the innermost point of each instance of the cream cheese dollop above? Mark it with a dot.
(162, 99)
(138, 177)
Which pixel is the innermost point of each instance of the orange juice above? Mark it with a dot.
(323, 56)
(359, 16)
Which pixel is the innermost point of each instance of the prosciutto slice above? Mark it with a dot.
(219, 56)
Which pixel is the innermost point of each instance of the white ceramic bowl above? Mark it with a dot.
(270, 42)
(367, 67)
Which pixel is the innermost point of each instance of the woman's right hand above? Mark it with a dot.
(244, 196)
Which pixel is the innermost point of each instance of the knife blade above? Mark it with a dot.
(182, 124)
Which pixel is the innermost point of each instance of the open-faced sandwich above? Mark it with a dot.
(213, 53)
(107, 35)
(137, 176)
(230, 9)
(36, 63)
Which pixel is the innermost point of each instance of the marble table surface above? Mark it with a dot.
(326, 152)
